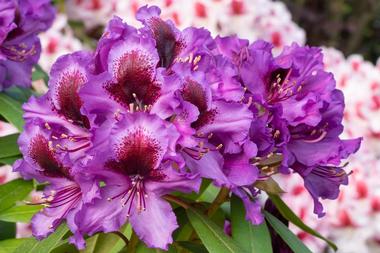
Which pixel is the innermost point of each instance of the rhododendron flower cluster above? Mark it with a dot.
(21, 21)
(155, 110)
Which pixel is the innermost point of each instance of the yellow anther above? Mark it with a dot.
(47, 126)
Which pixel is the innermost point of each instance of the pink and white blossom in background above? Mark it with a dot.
(353, 220)
(360, 83)
(57, 41)
(250, 19)
(6, 173)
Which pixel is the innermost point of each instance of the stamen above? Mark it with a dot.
(47, 126)
(249, 101)
(319, 138)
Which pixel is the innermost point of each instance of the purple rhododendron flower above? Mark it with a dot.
(68, 190)
(155, 110)
(21, 21)
(139, 165)
(298, 112)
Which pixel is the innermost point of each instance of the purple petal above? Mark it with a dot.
(156, 224)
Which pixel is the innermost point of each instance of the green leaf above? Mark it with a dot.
(254, 239)
(102, 243)
(7, 230)
(142, 248)
(46, 245)
(192, 247)
(270, 186)
(19, 93)
(204, 185)
(8, 146)
(11, 110)
(19, 213)
(283, 231)
(107, 243)
(209, 194)
(184, 230)
(9, 160)
(10, 245)
(39, 74)
(293, 218)
(65, 248)
(211, 235)
(14, 191)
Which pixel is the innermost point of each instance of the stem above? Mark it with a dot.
(176, 200)
(218, 201)
(122, 236)
(132, 245)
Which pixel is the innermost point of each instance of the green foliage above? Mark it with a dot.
(19, 93)
(293, 218)
(7, 230)
(10, 245)
(8, 147)
(211, 235)
(19, 213)
(45, 246)
(40, 74)
(255, 239)
(14, 191)
(291, 239)
(107, 243)
(9, 160)
(11, 110)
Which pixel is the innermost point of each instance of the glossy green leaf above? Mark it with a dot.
(19, 213)
(211, 235)
(40, 74)
(185, 230)
(107, 243)
(20, 94)
(283, 231)
(270, 186)
(65, 248)
(14, 191)
(209, 193)
(293, 218)
(192, 247)
(45, 246)
(10, 245)
(9, 160)
(7, 230)
(11, 110)
(8, 146)
(196, 195)
(142, 248)
(254, 239)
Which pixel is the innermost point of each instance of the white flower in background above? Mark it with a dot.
(57, 41)
(251, 19)
(6, 173)
(7, 129)
(360, 83)
(91, 12)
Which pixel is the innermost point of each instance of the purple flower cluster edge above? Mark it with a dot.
(20, 23)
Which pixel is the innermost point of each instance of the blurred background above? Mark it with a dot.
(349, 33)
